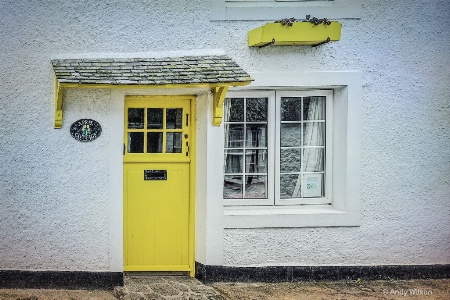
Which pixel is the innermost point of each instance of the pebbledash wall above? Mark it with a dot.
(60, 200)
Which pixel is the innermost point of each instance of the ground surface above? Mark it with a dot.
(186, 288)
(355, 290)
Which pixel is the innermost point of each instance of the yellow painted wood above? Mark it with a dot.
(300, 33)
(218, 98)
(58, 104)
(159, 214)
(60, 87)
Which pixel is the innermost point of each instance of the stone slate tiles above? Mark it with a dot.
(150, 71)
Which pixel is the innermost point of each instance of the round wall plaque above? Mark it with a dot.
(85, 130)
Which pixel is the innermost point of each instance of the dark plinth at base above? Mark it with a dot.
(209, 274)
(60, 280)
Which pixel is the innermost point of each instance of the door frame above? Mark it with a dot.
(192, 173)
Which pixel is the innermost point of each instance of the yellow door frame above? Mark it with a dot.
(192, 174)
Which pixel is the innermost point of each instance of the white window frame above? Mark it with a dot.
(274, 148)
(328, 147)
(345, 207)
(270, 10)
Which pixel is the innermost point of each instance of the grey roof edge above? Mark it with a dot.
(195, 70)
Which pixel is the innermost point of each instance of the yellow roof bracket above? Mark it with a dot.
(218, 98)
(58, 105)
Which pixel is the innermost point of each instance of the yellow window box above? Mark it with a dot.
(300, 33)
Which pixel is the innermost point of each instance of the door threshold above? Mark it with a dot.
(156, 273)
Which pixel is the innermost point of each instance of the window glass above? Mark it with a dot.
(174, 117)
(298, 126)
(155, 118)
(135, 142)
(245, 148)
(135, 118)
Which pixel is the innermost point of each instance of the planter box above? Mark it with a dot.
(300, 33)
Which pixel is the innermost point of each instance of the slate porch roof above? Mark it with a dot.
(150, 71)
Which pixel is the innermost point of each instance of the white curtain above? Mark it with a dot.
(313, 133)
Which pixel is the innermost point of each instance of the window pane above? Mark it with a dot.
(256, 135)
(135, 142)
(291, 109)
(313, 185)
(256, 110)
(136, 118)
(290, 186)
(234, 110)
(174, 118)
(155, 118)
(314, 134)
(290, 135)
(314, 108)
(256, 161)
(290, 160)
(256, 187)
(232, 187)
(313, 159)
(154, 142)
(234, 160)
(234, 135)
(173, 142)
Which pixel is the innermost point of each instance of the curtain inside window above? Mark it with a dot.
(313, 135)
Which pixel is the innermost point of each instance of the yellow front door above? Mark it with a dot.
(158, 209)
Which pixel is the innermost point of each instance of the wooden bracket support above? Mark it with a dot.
(218, 98)
(58, 105)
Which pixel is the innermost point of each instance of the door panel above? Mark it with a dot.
(157, 220)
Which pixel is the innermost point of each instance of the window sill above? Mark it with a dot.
(292, 216)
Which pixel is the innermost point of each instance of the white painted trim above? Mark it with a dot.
(264, 10)
(115, 209)
(293, 216)
(209, 179)
(345, 208)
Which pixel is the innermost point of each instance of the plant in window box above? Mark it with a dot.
(289, 31)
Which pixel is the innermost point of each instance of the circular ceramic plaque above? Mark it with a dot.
(85, 130)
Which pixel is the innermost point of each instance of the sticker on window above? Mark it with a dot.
(312, 185)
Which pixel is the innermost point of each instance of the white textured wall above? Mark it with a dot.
(54, 191)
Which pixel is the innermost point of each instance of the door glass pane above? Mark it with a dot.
(232, 187)
(174, 118)
(313, 159)
(173, 142)
(154, 142)
(291, 109)
(255, 187)
(256, 161)
(136, 118)
(234, 110)
(155, 118)
(234, 135)
(290, 135)
(256, 110)
(290, 186)
(290, 160)
(314, 134)
(256, 135)
(135, 142)
(234, 159)
(314, 108)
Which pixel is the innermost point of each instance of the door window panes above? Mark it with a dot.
(135, 118)
(174, 117)
(135, 142)
(173, 142)
(155, 118)
(154, 142)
